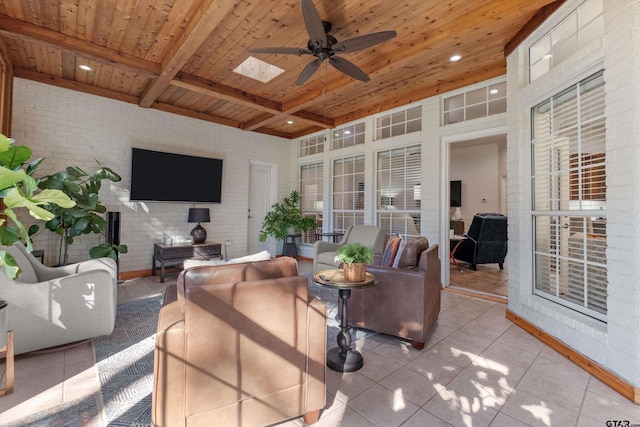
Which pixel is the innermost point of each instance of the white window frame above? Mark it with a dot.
(318, 203)
(398, 122)
(355, 215)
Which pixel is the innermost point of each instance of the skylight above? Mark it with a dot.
(258, 70)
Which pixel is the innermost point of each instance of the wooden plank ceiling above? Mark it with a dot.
(179, 55)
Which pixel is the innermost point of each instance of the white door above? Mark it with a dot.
(259, 198)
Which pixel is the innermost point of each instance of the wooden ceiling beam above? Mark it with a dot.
(21, 30)
(530, 26)
(74, 85)
(168, 108)
(217, 90)
(209, 15)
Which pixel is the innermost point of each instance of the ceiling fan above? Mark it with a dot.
(325, 47)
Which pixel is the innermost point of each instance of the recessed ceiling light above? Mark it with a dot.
(289, 122)
(493, 91)
(85, 67)
(455, 58)
(547, 56)
(347, 132)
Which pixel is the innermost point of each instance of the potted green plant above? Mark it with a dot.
(86, 215)
(354, 256)
(19, 189)
(285, 218)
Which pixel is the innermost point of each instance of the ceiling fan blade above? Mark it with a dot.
(349, 68)
(362, 42)
(308, 71)
(314, 24)
(282, 50)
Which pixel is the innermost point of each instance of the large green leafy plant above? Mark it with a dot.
(285, 216)
(86, 216)
(19, 189)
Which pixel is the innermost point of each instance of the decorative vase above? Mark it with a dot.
(457, 215)
(355, 272)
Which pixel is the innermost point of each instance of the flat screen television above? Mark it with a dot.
(455, 193)
(167, 177)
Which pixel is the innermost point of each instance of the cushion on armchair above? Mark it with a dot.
(411, 253)
(393, 251)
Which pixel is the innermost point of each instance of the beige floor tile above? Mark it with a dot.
(81, 385)
(423, 418)
(490, 384)
(553, 390)
(558, 367)
(598, 387)
(516, 337)
(377, 367)
(80, 354)
(347, 385)
(459, 410)
(439, 372)
(459, 353)
(397, 350)
(412, 386)
(506, 356)
(502, 420)
(535, 411)
(343, 416)
(28, 365)
(383, 407)
(602, 409)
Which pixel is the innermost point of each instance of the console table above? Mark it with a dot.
(172, 255)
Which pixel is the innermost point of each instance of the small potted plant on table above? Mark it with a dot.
(354, 256)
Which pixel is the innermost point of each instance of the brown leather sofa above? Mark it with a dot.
(406, 302)
(239, 344)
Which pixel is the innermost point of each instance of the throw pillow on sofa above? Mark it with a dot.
(260, 256)
(393, 251)
(411, 253)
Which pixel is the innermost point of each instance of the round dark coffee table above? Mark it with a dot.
(343, 358)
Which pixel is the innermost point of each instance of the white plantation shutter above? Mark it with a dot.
(398, 190)
(311, 190)
(348, 192)
(569, 198)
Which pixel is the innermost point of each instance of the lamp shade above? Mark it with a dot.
(199, 215)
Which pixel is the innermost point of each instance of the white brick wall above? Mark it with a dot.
(616, 344)
(73, 128)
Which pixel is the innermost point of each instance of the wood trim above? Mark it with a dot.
(10, 365)
(6, 90)
(477, 295)
(21, 30)
(537, 20)
(609, 378)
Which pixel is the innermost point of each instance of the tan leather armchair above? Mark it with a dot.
(239, 344)
(406, 302)
(324, 252)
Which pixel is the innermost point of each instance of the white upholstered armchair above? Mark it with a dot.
(368, 235)
(54, 306)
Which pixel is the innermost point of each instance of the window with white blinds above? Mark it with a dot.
(311, 201)
(576, 31)
(348, 192)
(569, 197)
(399, 191)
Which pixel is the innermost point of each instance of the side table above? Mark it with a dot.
(336, 236)
(172, 255)
(289, 246)
(454, 242)
(6, 347)
(343, 358)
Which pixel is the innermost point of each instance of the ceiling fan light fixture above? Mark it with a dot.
(455, 58)
(289, 122)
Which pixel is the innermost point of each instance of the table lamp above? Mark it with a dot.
(199, 234)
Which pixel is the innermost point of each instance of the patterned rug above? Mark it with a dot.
(125, 358)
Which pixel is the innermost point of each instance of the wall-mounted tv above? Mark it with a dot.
(167, 177)
(455, 193)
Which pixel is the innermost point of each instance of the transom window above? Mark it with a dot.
(348, 136)
(348, 192)
(311, 145)
(569, 198)
(399, 191)
(476, 103)
(576, 31)
(399, 123)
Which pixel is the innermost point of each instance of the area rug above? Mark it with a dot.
(125, 358)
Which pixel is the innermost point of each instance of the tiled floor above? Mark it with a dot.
(488, 278)
(477, 369)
